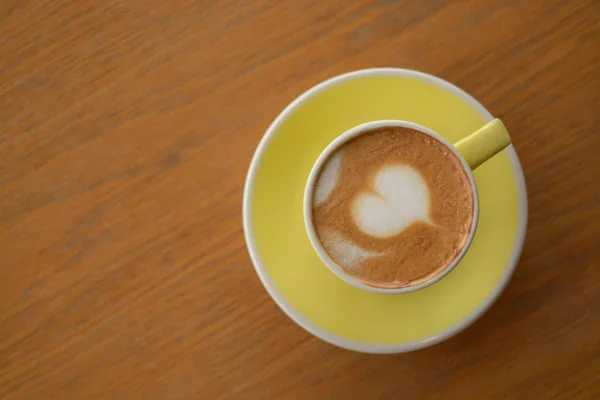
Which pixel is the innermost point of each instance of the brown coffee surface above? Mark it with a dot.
(423, 248)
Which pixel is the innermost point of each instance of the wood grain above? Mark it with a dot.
(126, 130)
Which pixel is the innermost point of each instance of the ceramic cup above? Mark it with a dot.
(472, 151)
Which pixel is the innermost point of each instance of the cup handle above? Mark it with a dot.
(484, 143)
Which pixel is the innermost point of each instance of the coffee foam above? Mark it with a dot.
(327, 179)
(393, 207)
(344, 251)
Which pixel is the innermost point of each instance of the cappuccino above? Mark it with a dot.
(393, 207)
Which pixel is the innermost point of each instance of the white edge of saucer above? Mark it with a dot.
(315, 329)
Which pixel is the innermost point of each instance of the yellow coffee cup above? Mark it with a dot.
(473, 150)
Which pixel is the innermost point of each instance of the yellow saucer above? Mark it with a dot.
(290, 269)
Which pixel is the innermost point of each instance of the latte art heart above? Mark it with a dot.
(400, 197)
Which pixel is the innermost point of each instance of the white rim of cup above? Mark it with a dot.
(308, 204)
(309, 325)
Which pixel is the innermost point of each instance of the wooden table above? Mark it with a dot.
(126, 131)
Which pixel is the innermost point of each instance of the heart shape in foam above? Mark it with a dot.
(400, 197)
